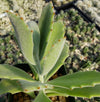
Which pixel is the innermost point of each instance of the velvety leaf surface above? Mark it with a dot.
(49, 61)
(36, 40)
(87, 92)
(57, 33)
(45, 26)
(77, 80)
(29, 86)
(59, 63)
(9, 86)
(14, 86)
(36, 36)
(42, 98)
(11, 72)
(24, 37)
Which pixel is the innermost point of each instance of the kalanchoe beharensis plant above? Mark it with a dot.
(45, 50)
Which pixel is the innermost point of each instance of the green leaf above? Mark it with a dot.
(10, 86)
(34, 70)
(30, 86)
(15, 86)
(45, 26)
(57, 33)
(59, 63)
(36, 40)
(42, 98)
(49, 61)
(24, 37)
(87, 92)
(36, 36)
(54, 94)
(11, 72)
(56, 91)
(77, 80)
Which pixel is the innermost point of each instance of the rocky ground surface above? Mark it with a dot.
(28, 9)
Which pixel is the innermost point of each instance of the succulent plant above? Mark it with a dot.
(45, 51)
(91, 8)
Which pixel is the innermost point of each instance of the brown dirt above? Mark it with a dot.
(22, 97)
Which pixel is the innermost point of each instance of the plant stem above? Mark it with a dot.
(41, 78)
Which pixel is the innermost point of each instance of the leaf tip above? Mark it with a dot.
(16, 14)
(52, 7)
(46, 86)
(25, 90)
(21, 18)
(53, 13)
(31, 31)
(38, 87)
(71, 89)
(6, 11)
(80, 86)
(52, 45)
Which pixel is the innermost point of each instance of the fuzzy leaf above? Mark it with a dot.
(15, 86)
(30, 86)
(57, 33)
(24, 37)
(36, 36)
(45, 26)
(77, 80)
(54, 94)
(42, 98)
(87, 92)
(11, 72)
(9, 86)
(59, 63)
(49, 61)
(36, 40)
